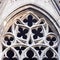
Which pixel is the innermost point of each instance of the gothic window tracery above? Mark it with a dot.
(30, 37)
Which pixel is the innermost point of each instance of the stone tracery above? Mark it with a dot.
(30, 39)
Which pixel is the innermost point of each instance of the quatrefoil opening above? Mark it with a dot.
(22, 33)
(38, 32)
(30, 19)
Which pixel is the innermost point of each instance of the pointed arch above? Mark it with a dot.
(31, 27)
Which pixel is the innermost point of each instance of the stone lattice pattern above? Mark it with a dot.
(30, 38)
